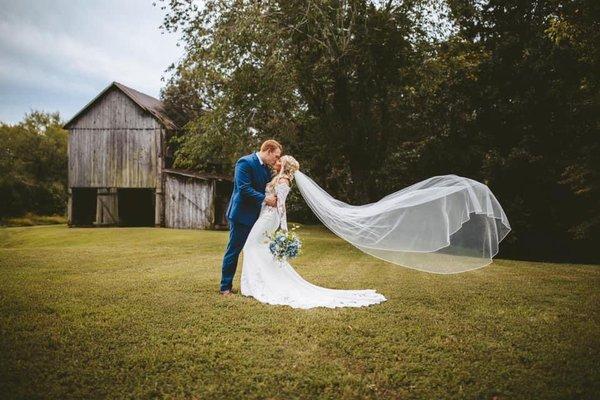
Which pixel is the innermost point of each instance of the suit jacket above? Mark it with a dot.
(249, 183)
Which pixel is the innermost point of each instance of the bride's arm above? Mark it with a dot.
(282, 189)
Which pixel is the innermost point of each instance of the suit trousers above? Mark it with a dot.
(238, 233)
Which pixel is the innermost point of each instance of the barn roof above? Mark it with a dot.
(198, 175)
(147, 103)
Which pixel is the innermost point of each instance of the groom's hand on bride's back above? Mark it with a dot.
(271, 200)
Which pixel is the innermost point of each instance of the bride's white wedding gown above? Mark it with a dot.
(271, 282)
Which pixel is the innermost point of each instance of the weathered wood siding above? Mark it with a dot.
(115, 144)
(116, 110)
(107, 207)
(189, 203)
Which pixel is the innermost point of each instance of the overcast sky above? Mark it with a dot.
(57, 55)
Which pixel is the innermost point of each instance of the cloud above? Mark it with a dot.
(75, 49)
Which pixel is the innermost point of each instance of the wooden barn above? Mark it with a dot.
(119, 168)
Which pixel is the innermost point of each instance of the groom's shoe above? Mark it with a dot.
(226, 292)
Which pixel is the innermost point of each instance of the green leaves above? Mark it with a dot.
(372, 97)
(33, 165)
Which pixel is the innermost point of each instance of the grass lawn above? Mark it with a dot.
(135, 313)
(30, 219)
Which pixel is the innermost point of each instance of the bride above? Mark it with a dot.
(445, 224)
(272, 282)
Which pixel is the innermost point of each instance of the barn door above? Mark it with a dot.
(107, 210)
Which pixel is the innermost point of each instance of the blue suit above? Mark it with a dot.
(249, 183)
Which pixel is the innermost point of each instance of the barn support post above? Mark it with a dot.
(69, 207)
(159, 210)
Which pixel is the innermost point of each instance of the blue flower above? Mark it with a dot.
(284, 245)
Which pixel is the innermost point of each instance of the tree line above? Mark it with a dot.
(372, 96)
(33, 166)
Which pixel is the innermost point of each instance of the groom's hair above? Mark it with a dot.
(271, 145)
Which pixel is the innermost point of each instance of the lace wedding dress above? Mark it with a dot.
(269, 281)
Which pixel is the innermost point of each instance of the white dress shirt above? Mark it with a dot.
(259, 159)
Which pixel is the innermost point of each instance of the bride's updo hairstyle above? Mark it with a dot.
(289, 165)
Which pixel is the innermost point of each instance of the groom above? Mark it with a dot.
(250, 179)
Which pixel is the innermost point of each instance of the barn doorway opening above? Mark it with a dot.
(136, 206)
(83, 206)
(223, 193)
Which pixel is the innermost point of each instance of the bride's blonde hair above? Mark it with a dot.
(289, 165)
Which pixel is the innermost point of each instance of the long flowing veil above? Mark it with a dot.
(445, 224)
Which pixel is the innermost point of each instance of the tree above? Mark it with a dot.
(373, 96)
(534, 95)
(332, 80)
(33, 165)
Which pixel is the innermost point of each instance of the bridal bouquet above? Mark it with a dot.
(284, 245)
